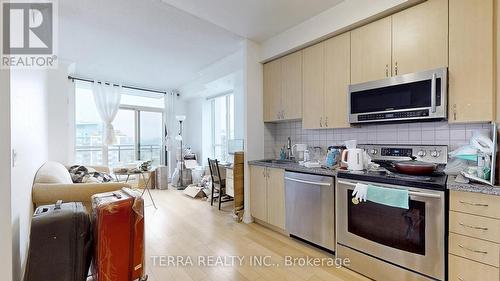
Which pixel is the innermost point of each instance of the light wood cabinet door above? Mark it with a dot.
(313, 85)
(272, 90)
(471, 69)
(420, 37)
(337, 80)
(464, 269)
(258, 193)
(291, 98)
(371, 51)
(276, 197)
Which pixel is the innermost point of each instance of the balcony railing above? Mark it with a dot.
(118, 154)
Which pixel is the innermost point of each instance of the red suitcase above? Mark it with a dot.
(118, 222)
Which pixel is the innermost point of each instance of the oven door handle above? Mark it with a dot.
(433, 93)
(411, 193)
(308, 182)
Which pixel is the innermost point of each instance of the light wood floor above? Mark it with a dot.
(182, 226)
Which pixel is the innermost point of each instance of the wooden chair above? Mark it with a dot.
(218, 184)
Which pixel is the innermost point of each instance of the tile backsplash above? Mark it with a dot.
(442, 133)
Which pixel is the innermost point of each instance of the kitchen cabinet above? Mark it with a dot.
(474, 248)
(371, 51)
(420, 37)
(267, 195)
(276, 197)
(291, 96)
(272, 90)
(283, 88)
(415, 39)
(326, 77)
(471, 68)
(313, 86)
(258, 192)
(338, 78)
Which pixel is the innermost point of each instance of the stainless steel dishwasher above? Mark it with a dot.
(310, 208)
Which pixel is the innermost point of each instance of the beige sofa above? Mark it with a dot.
(53, 182)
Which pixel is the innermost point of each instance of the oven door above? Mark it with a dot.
(414, 96)
(413, 238)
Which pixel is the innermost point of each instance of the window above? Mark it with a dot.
(222, 125)
(138, 128)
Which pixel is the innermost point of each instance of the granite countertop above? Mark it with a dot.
(472, 187)
(294, 167)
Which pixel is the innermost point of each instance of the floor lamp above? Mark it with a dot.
(180, 118)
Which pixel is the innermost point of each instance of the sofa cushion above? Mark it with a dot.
(53, 172)
(82, 174)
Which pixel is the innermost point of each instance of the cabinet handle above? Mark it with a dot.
(321, 122)
(474, 204)
(326, 121)
(386, 70)
(396, 68)
(264, 172)
(472, 250)
(473, 227)
(460, 278)
(282, 114)
(267, 172)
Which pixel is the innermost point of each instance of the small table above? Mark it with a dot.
(140, 174)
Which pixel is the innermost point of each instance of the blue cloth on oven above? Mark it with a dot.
(393, 197)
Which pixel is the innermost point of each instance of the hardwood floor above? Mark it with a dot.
(183, 228)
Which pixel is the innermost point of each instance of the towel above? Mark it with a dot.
(388, 196)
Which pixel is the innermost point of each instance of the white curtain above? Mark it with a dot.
(107, 100)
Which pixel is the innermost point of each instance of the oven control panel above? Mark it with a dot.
(428, 153)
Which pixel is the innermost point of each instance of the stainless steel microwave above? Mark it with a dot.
(415, 96)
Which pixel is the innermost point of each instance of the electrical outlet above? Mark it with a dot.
(14, 158)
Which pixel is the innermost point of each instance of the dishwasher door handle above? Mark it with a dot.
(308, 182)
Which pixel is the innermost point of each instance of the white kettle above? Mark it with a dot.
(353, 158)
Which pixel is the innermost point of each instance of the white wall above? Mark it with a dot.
(5, 177)
(61, 126)
(29, 111)
(335, 20)
(254, 122)
(222, 76)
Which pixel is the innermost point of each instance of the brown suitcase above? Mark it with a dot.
(60, 243)
(118, 221)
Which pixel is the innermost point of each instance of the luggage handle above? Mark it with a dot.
(117, 195)
(58, 205)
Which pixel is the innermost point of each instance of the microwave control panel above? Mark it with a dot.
(394, 115)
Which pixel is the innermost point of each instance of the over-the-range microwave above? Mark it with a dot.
(409, 97)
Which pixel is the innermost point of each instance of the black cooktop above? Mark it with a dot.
(387, 174)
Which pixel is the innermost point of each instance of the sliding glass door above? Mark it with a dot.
(139, 136)
(150, 136)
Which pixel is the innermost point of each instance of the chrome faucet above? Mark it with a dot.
(289, 155)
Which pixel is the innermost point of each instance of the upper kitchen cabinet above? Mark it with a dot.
(371, 51)
(337, 80)
(471, 68)
(313, 86)
(272, 90)
(420, 37)
(283, 88)
(291, 97)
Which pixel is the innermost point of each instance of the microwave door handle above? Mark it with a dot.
(433, 93)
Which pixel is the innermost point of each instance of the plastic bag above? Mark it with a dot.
(466, 152)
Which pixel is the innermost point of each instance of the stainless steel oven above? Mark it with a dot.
(392, 244)
(414, 96)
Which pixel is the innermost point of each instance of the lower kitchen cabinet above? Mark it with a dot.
(474, 248)
(267, 195)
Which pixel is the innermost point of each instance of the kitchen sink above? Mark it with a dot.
(274, 161)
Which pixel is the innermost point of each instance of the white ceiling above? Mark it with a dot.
(254, 19)
(140, 42)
